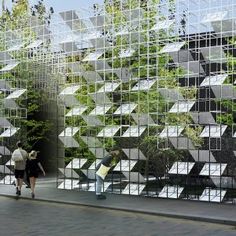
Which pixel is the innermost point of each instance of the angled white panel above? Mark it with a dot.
(15, 47)
(171, 191)
(9, 66)
(143, 85)
(9, 132)
(125, 165)
(181, 168)
(133, 189)
(108, 87)
(93, 56)
(213, 131)
(77, 111)
(181, 106)
(77, 163)
(214, 80)
(134, 131)
(125, 109)
(105, 186)
(94, 164)
(172, 47)
(212, 195)
(163, 25)
(35, 44)
(69, 184)
(70, 90)
(214, 16)
(16, 94)
(171, 131)
(100, 110)
(69, 132)
(109, 132)
(213, 169)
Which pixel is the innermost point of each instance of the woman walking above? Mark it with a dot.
(32, 166)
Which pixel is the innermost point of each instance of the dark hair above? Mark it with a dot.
(19, 144)
(114, 148)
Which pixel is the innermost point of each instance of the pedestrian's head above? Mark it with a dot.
(33, 154)
(115, 151)
(19, 144)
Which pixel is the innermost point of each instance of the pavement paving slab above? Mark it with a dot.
(183, 209)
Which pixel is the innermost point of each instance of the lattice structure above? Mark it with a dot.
(161, 86)
(156, 79)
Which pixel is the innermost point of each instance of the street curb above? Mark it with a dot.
(163, 214)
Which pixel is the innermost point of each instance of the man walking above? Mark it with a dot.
(102, 170)
(19, 156)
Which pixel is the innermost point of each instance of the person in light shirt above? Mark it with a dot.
(102, 170)
(19, 157)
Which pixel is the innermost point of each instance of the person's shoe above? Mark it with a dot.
(33, 195)
(101, 197)
(17, 190)
(27, 186)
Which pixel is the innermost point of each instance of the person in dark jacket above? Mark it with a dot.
(102, 170)
(32, 166)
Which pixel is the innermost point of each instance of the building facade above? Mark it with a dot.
(157, 79)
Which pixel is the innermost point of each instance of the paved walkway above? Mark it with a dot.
(193, 210)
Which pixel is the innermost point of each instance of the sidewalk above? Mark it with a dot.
(184, 209)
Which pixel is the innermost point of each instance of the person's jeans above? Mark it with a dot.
(99, 184)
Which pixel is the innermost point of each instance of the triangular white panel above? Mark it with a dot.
(9, 132)
(16, 94)
(181, 168)
(133, 189)
(213, 131)
(212, 195)
(125, 109)
(70, 90)
(182, 106)
(125, 165)
(171, 191)
(172, 47)
(77, 163)
(171, 131)
(76, 111)
(134, 131)
(69, 184)
(213, 169)
(109, 132)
